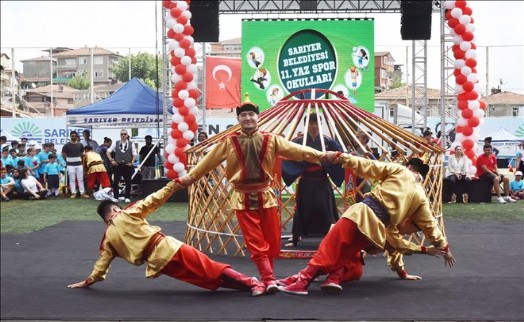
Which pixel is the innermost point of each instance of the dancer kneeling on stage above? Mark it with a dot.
(398, 206)
(162, 254)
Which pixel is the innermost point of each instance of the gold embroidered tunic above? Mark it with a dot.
(94, 162)
(128, 234)
(250, 162)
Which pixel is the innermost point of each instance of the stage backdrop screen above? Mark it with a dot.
(280, 57)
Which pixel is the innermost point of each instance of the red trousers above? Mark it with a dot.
(191, 266)
(102, 178)
(261, 230)
(340, 248)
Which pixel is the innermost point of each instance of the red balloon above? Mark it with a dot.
(185, 43)
(193, 127)
(168, 164)
(193, 93)
(180, 86)
(470, 153)
(467, 113)
(188, 1)
(471, 62)
(175, 12)
(189, 119)
(455, 47)
(462, 97)
(183, 111)
(473, 121)
(461, 79)
(191, 52)
(193, 60)
(459, 129)
(448, 14)
(176, 133)
(460, 29)
(460, 4)
(178, 102)
(468, 144)
(462, 104)
(171, 174)
(467, 130)
(171, 33)
(474, 159)
(459, 54)
(180, 69)
(472, 20)
(467, 11)
(472, 95)
(182, 19)
(174, 125)
(188, 30)
(187, 77)
(468, 86)
(473, 46)
(175, 61)
(181, 142)
(483, 104)
(467, 35)
(453, 22)
(166, 4)
(174, 94)
(179, 37)
(457, 72)
(180, 153)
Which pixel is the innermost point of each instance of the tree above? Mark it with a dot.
(142, 66)
(79, 82)
(397, 82)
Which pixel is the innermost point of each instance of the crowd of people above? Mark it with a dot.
(82, 167)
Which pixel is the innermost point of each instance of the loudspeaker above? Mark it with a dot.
(415, 22)
(204, 18)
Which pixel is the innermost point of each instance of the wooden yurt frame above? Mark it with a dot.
(212, 226)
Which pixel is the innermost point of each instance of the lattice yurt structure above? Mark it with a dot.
(212, 226)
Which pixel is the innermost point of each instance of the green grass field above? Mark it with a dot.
(21, 216)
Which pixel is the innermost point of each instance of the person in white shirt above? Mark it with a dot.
(458, 171)
(32, 187)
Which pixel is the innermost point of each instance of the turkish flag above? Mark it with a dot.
(222, 82)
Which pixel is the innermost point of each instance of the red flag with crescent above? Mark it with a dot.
(222, 82)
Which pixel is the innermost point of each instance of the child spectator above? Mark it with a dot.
(32, 163)
(7, 185)
(14, 157)
(95, 169)
(52, 176)
(516, 187)
(18, 190)
(43, 157)
(32, 187)
(6, 158)
(20, 150)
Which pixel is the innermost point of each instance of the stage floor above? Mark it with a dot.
(486, 284)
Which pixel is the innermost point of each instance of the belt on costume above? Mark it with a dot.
(153, 241)
(251, 187)
(95, 163)
(378, 209)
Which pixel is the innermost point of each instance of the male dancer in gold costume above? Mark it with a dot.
(128, 235)
(250, 156)
(398, 206)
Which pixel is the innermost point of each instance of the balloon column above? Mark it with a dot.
(460, 22)
(185, 92)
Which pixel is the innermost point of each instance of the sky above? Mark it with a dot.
(135, 26)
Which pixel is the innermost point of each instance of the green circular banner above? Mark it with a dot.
(307, 60)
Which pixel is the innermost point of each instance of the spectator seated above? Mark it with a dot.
(480, 191)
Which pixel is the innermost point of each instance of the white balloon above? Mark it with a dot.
(466, 70)
(461, 122)
(456, 40)
(172, 44)
(465, 45)
(449, 4)
(477, 88)
(187, 147)
(186, 60)
(192, 84)
(172, 141)
(474, 78)
(192, 68)
(183, 94)
(472, 170)
(177, 118)
(182, 5)
(189, 102)
(178, 167)
(459, 89)
(473, 105)
(170, 22)
(188, 135)
(456, 12)
(471, 53)
(194, 110)
(464, 19)
(469, 162)
(182, 173)
(175, 78)
(478, 113)
(178, 28)
(187, 13)
(170, 148)
(183, 126)
(180, 52)
(452, 32)
(459, 63)
(173, 159)
(471, 27)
